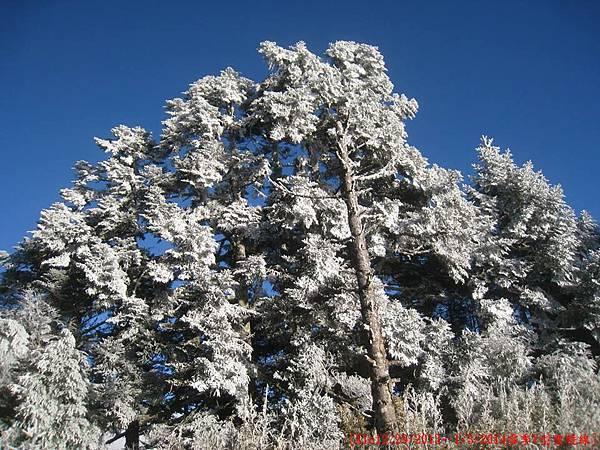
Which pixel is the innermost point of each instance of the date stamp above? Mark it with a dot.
(477, 439)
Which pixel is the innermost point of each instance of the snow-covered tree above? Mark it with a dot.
(46, 391)
(282, 268)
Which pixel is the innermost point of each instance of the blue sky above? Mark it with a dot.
(526, 73)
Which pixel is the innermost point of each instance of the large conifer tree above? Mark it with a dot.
(282, 268)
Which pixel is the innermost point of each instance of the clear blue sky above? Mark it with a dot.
(526, 73)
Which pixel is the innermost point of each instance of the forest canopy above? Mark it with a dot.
(280, 268)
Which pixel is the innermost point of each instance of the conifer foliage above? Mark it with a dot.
(281, 268)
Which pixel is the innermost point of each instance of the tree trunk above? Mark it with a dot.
(132, 436)
(239, 255)
(385, 414)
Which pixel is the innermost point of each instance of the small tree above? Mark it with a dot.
(46, 377)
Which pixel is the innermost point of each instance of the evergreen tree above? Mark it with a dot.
(45, 387)
(282, 268)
